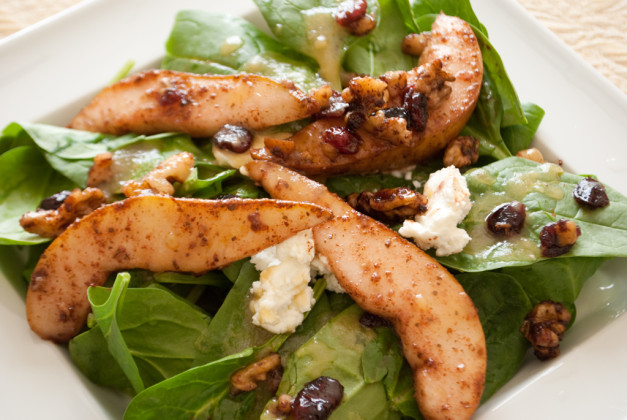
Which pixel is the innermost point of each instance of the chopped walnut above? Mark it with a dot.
(558, 238)
(390, 204)
(461, 151)
(284, 403)
(366, 93)
(430, 79)
(392, 129)
(247, 379)
(396, 85)
(51, 223)
(414, 44)
(101, 171)
(544, 328)
(363, 26)
(531, 154)
(176, 168)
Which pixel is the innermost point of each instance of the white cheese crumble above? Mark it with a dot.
(449, 202)
(282, 295)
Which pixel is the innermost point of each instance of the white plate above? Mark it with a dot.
(53, 68)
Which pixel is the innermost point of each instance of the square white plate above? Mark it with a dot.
(50, 70)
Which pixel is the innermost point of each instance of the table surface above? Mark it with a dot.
(596, 29)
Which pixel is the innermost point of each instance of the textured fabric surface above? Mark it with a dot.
(596, 29)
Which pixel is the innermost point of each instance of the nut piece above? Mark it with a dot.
(363, 26)
(544, 328)
(390, 128)
(176, 168)
(531, 154)
(390, 204)
(558, 238)
(247, 379)
(51, 223)
(414, 44)
(101, 171)
(462, 151)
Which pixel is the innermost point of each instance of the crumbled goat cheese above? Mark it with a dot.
(449, 202)
(282, 295)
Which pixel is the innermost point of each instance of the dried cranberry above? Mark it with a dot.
(342, 139)
(350, 11)
(558, 238)
(416, 105)
(370, 320)
(507, 219)
(396, 112)
(54, 201)
(234, 138)
(317, 399)
(590, 192)
(355, 119)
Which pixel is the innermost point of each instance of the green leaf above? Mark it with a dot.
(380, 51)
(546, 190)
(26, 180)
(162, 332)
(205, 42)
(502, 305)
(309, 26)
(198, 393)
(106, 310)
(519, 137)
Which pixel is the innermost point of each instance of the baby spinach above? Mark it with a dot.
(204, 42)
(546, 190)
(107, 309)
(337, 350)
(502, 305)
(309, 26)
(150, 335)
(519, 136)
(71, 152)
(26, 180)
(198, 393)
(380, 51)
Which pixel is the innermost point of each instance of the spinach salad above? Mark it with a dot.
(172, 341)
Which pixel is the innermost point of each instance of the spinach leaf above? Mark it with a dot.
(161, 331)
(198, 393)
(546, 190)
(106, 309)
(380, 51)
(204, 42)
(231, 330)
(71, 152)
(460, 8)
(309, 26)
(344, 185)
(336, 350)
(502, 305)
(518, 137)
(26, 180)
(559, 280)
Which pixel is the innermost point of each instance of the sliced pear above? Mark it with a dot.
(164, 100)
(156, 233)
(440, 331)
(453, 42)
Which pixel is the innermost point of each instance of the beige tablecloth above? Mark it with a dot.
(596, 29)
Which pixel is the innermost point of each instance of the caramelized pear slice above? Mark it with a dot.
(440, 331)
(453, 42)
(155, 233)
(164, 100)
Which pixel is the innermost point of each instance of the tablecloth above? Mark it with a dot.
(596, 29)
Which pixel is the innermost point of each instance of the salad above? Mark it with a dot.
(71, 155)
